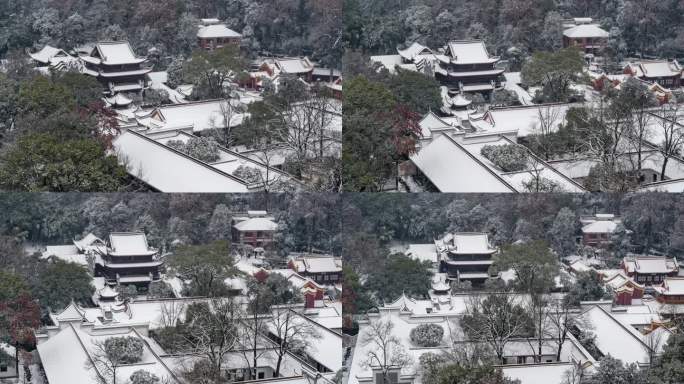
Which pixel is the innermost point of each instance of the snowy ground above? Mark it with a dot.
(512, 84)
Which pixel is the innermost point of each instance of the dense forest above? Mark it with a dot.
(308, 221)
(513, 28)
(165, 29)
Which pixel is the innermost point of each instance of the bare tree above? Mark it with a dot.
(171, 312)
(561, 319)
(672, 129)
(548, 118)
(654, 341)
(254, 327)
(538, 308)
(386, 350)
(495, 319)
(104, 366)
(292, 332)
(221, 126)
(213, 333)
(108, 355)
(603, 137)
(574, 375)
(303, 125)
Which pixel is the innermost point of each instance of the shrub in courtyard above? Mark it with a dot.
(427, 335)
(510, 157)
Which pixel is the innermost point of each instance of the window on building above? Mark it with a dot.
(521, 359)
(3, 368)
(261, 375)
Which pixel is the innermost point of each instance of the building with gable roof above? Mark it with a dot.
(299, 67)
(625, 290)
(116, 66)
(323, 269)
(667, 73)
(54, 58)
(256, 229)
(452, 161)
(671, 291)
(598, 229)
(586, 35)
(212, 34)
(650, 270)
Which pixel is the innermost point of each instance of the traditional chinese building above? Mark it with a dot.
(257, 229)
(116, 66)
(128, 259)
(624, 289)
(467, 256)
(213, 34)
(650, 270)
(672, 291)
(467, 66)
(598, 229)
(586, 35)
(302, 68)
(323, 269)
(664, 72)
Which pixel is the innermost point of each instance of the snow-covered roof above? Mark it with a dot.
(49, 55)
(116, 53)
(118, 100)
(586, 31)
(316, 264)
(168, 170)
(68, 253)
(196, 116)
(295, 66)
(71, 313)
(526, 119)
(423, 252)
(451, 168)
(650, 264)
(432, 123)
(256, 224)
(547, 373)
(87, 241)
(600, 226)
(387, 61)
(216, 31)
(129, 244)
(656, 68)
(672, 186)
(469, 52)
(471, 243)
(327, 350)
(64, 357)
(673, 286)
(108, 292)
(414, 50)
(615, 338)
(454, 166)
(580, 266)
